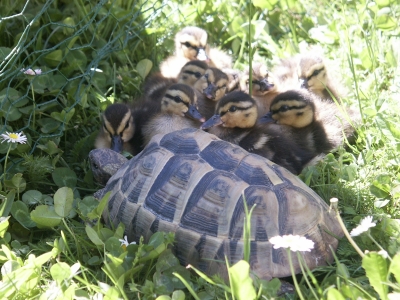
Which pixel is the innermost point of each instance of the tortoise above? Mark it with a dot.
(193, 184)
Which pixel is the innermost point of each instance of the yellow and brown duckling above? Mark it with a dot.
(156, 84)
(178, 111)
(316, 125)
(264, 86)
(314, 76)
(191, 44)
(310, 72)
(235, 121)
(210, 87)
(117, 129)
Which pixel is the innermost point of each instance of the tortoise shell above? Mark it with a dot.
(193, 184)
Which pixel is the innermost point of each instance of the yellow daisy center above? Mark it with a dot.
(13, 136)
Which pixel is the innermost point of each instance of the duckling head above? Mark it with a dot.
(212, 84)
(294, 108)
(192, 71)
(236, 109)
(263, 81)
(312, 73)
(191, 43)
(180, 99)
(118, 125)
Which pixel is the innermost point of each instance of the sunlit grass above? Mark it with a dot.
(59, 113)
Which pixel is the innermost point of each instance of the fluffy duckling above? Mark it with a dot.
(314, 76)
(237, 112)
(156, 84)
(211, 87)
(191, 44)
(117, 130)
(264, 88)
(316, 125)
(309, 72)
(178, 111)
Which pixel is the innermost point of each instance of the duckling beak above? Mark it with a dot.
(201, 54)
(303, 83)
(265, 85)
(265, 119)
(215, 120)
(210, 91)
(194, 113)
(116, 143)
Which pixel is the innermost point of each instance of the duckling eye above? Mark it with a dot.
(187, 44)
(315, 73)
(232, 108)
(126, 125)
(284, 108)
(178, 99)
(197, 74)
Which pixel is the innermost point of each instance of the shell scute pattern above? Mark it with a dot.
(197, 191)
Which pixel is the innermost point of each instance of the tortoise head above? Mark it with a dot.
(105, 163)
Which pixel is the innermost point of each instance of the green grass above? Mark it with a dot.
(52, 245)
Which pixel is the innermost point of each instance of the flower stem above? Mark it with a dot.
(346, 233)
(296, 284)
(5, 164)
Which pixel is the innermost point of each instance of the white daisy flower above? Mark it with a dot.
(32, 72)
(365, 224)
(124, 242)
(294, 242)
(11, 137)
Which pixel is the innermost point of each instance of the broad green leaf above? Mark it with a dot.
(20, 212)
(50, 148)
(377, 271)
(265, 4)
(366, 59)
(44, 216)
(241, 282)
(54, 58)
(60, 271)
(385, 22)
(87, 204)
(49, 125)
(143, 67)
(334, 294)
(395, 267)
(77, 59)
(381, 203)
(63, 200)
(63, 116)
(19, 182)
(32, 197)
(164, 297)
(3, 226)
(178, 295)
(93, 236)
(64, 177)
(7, 204)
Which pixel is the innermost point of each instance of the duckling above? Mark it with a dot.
(178, 111)
(210, 87)
(264, 88)
(308, 71)
(155, 85)
(191, 44)
(117, 129)
(237, 112)
(314, 76)
(316, 125)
